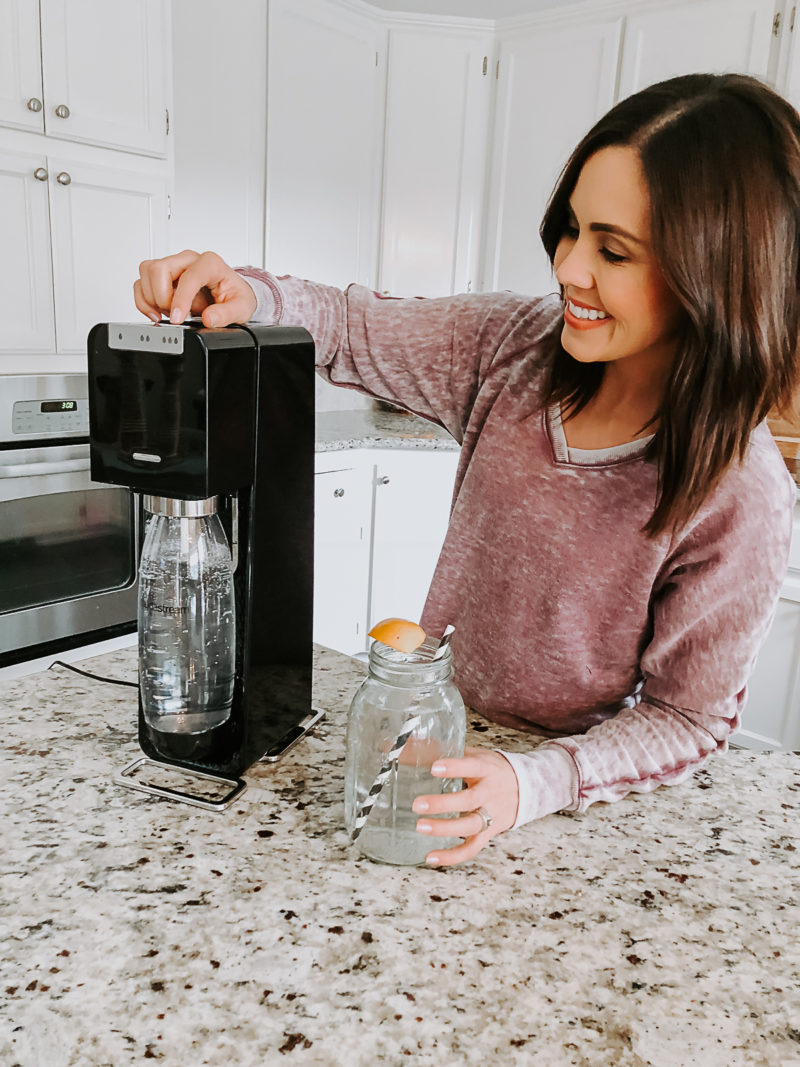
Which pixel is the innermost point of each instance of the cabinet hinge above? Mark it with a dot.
(497, 71)
(376, 59)
(776, 24)
(167, 114)
(169, 208)
(485, 65)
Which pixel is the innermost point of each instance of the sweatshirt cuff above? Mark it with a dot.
(548, 782)
(268, 307)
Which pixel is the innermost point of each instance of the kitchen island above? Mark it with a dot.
(659, 930)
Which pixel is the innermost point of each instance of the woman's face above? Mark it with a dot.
(605, 265)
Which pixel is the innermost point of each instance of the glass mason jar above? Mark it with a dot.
(400, 686)
(186, 617)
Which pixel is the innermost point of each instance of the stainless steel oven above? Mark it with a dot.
(68, 547)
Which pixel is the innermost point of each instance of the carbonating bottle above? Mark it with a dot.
(187, 630)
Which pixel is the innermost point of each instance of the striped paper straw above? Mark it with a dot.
(383, 774)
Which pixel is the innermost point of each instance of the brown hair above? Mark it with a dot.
(721, 157)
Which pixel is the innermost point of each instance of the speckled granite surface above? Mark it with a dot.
(662, 930)
(379, 429)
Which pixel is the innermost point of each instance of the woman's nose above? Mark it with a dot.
(573, 269)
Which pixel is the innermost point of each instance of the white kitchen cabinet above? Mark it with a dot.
(20, 66)
(554, 82)
(771, 717)
(74, 233)
(92, 71)
(697, 35)
(220, 85)
(413, 493)
(343, 529)
(788, 63)
(578, 60)
(381, 517)
(326, 90)
(84, 178)
(105, 220)
(437, 119)
(26, 288)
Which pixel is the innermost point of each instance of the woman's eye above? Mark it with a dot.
(612, 257)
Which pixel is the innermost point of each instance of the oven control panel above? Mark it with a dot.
(57, 416)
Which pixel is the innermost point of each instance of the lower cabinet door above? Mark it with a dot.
(343, 507)
(771, 718)
(413, 492)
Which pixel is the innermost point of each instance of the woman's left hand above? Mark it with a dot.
(491, 785)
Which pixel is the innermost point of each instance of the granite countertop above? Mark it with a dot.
(661, 930)
(379, 429)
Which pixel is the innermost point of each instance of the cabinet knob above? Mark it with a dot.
(40, 174)
(62, 111)
(34, 104)
(63, 178)
(384, 480)
(338, 492)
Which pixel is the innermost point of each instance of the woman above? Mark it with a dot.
(621, 517)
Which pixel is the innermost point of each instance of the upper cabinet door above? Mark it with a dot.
(105, 221)
(698, 36)
(325, 119)
(26, 288)
(105, 73)
(20, 66)
(535, 134)
(437, 119)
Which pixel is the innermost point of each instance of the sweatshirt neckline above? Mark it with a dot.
(589, 457)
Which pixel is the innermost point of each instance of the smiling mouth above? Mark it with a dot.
(580, 311)
(581, 317)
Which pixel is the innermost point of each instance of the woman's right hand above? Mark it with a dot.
(192, 283)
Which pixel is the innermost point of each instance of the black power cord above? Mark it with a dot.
(94, 677)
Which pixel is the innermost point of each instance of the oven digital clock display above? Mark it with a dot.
(59, 405)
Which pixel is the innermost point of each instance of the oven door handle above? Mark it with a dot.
(33, 470)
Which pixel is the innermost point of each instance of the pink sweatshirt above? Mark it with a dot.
(568, 619)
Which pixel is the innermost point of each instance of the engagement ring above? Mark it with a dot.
(486, 817)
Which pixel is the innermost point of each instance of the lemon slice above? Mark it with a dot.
(401, 634)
